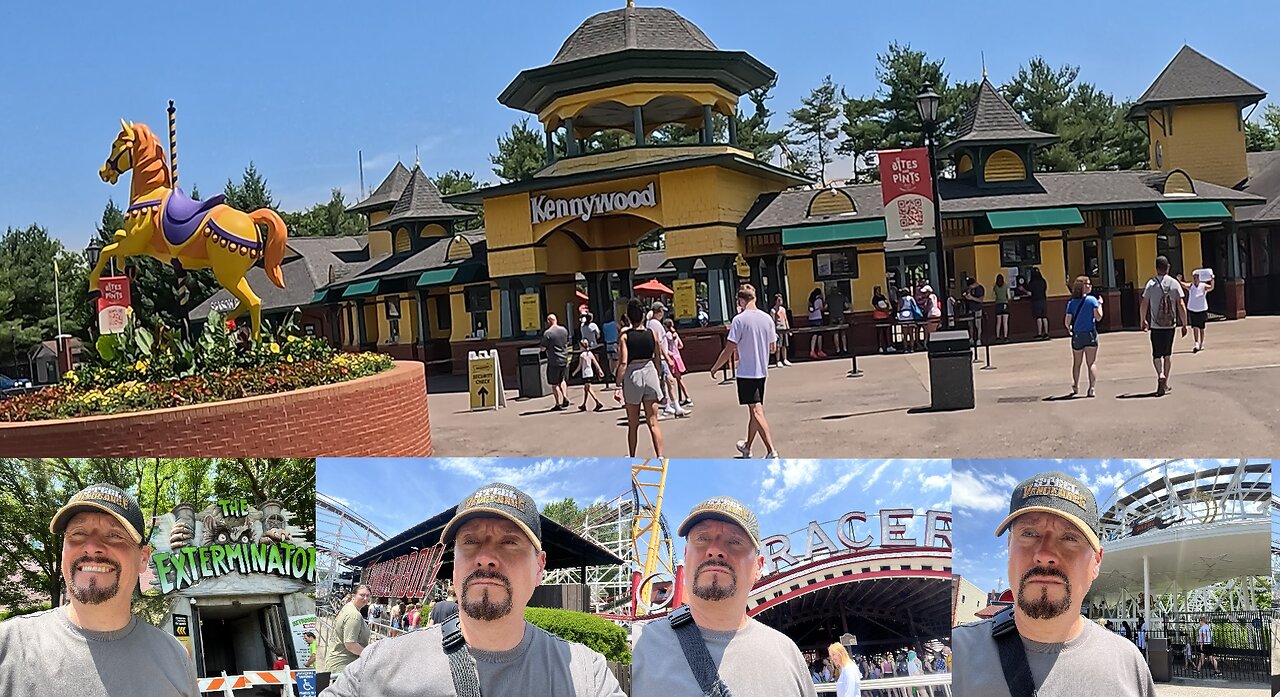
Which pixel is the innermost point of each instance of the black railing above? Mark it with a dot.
(1241, 643)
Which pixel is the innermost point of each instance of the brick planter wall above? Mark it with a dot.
(383, 415)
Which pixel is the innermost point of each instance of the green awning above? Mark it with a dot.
(1193, 210)
(321, 296)
(359, 290)
(1035, 218)
(859, 231)
(437, 277)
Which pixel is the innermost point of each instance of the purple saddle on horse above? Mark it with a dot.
(182, 215)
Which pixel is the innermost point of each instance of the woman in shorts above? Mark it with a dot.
(782, 323)
(1197, 308)
(639, 353)
(1083, 313)
(1001, 291)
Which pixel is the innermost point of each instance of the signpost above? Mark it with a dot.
(113, 304)
(484, 380)
(907, 190)
(686, 298)
(182, 631)
(306, 685)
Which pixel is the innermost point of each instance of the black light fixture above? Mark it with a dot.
(93, 252)
(927, 104)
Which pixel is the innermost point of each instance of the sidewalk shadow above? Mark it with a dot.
(1138, 395)
(871, 412)
(1061, 398)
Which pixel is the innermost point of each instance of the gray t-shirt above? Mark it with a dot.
(1155, 291)
(1096, 662)
(556, 341)
(349, 626)
(591, 333)
(44, 655)
(414, 665)
(755, 661)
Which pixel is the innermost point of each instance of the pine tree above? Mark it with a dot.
(814, 129)
(520, 154)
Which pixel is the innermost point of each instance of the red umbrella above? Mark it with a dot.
(653, 287)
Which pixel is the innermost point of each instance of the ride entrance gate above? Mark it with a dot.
(1241, 641)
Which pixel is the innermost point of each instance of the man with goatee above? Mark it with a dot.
(710, 646)
(1043, 645)
(94, 645)
(487, 648)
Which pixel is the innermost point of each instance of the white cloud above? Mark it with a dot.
(793, 473)
(984, 492)
(934, 481)
(831, 489)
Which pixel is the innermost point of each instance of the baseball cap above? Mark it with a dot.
(725, 508)
(102, 498)
(658, 307)
(498, 501)
(1057, 493)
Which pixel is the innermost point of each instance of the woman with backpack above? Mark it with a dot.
(1083, 313)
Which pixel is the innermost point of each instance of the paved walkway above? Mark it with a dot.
(1225, 402)
(1196, 688)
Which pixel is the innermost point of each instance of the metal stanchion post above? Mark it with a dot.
(853, 356)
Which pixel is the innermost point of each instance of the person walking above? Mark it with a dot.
(1198, 308)
(1038, 291)
(1204, 637)
(589, 368)
(637, 377)
(930, 309)
(781, 323)
(674, 345)
(1083, 313)
(816, 307)
(609, 334)
(837, 305)
(849, 682)
(555, 341)
(591, 333)
(1163, 310)
(753, 337)
(670, 392)
(1001, 292)
(973, 298)
(909, 316)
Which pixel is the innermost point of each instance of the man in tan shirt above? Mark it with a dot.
(350, 633)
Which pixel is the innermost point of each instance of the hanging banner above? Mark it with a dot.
(113, 304)
(906, 186)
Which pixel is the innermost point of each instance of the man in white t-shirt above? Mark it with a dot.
(754, 336)
(1204, 637)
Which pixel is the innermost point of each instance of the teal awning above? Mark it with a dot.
(321, 296)
(437, 277)
(360, 290)
(813, 235)
(1193, 210)
(1035, 218)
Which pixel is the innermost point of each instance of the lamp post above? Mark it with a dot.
(927, 104)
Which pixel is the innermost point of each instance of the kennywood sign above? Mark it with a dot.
(545, 209)
(893, 530)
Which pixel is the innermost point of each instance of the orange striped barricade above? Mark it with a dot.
(227, 684)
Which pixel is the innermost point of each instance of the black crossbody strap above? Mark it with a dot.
(1077, 312)
(1013, 655)
(466, 681)
(695, 652)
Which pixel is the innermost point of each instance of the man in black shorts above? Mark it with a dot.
(1163, 310)
(1039, 289)
(755, 337)
(555, 340)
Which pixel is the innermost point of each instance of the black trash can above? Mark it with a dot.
(533, 373)
(950, 371)
(1159, 659)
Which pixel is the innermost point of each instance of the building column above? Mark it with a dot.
(1233, 283)
(551, 147)
(722, 289)
(424, 329)
(1111, 295)
(637, 126)
(733, 129)
(570, 140)
(708, 133)
(360, 328)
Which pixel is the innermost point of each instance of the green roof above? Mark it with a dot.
(320, 296)
(1035, 218)
(437, 277)
(812, 235)
(1193, 210)
(359, 290)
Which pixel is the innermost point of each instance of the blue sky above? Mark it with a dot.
(981, 489)
(395, 494)
(786, 494)
(300, 88)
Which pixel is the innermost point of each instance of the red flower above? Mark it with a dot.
(231, 325)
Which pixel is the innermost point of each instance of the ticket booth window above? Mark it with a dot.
(478, 301)
(1021, 253)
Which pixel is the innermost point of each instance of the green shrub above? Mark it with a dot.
(595, 633)
(18, 612)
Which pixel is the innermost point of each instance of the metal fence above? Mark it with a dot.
(929, 685)
(1241, 642)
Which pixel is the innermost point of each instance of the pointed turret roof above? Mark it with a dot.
(387, 192)
(420, 201)
(990, 119)
(1193, 77)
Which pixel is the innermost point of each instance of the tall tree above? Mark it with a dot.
(29, 305)
(754, 134)
(329, 219)
(1263, 134)
(862, 134)
(455, 182)
(251, 193)
(520, 154)
(814, 128)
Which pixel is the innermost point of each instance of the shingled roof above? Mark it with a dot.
(990, 119)
(420, 201)
(1264, 181)
(387, 192)
(1193, 77)
(632, 27)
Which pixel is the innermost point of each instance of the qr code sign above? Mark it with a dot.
(911, 213)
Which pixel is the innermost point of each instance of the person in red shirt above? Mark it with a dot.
(279, 664)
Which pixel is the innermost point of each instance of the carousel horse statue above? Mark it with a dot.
(165, 223)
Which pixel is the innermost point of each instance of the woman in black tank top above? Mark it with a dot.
(638, 378)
